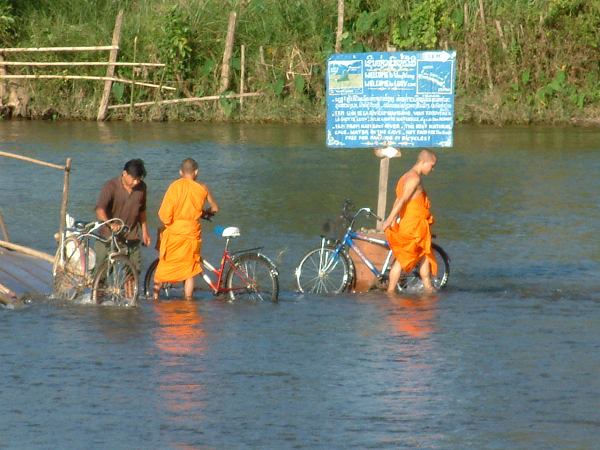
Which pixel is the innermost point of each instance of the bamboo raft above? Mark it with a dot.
(23, 276)
(26, 272)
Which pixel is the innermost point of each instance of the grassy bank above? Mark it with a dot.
(525, 61)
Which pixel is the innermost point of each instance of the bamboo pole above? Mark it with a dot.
(3, 228)
(85, 77)
(7, 296)
(340, 27)
(2, 72)
(77, 63)
(57, 49)
(242, 74)
(467, 67)
(228, 52)
(27, 251)
(501, 34)
(110, 70)
(64, 203)
(187, 100)
(133, 76)
(488, 64)
(6, 291)
(31, 160)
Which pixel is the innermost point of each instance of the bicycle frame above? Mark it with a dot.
(227, 259)
(348, 242)
(354, 235)
(83, 237)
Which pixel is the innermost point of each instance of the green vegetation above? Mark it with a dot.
(524, 61)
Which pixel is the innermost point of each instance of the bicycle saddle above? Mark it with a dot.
(228, 232)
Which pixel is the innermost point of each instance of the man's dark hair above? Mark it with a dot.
(135, 168)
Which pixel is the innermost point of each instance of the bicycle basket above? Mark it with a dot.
(334, 229)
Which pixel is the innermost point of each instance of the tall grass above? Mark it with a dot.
(543, 54)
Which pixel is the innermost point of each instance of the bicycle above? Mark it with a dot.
(329, 269)
(241, 274)
(74, 269)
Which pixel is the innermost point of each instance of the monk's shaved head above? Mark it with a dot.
(427, 156)
(188, 166)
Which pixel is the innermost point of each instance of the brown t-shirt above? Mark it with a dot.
(117, 202)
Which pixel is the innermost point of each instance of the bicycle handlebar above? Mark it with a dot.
(207, 214)
(351, 216)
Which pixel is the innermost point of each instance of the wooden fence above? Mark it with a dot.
(109, 78)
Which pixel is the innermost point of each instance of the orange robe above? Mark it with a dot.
(410, 239)
(180, 241)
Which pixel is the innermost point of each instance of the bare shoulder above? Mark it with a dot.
(411, 178)
(203, 186)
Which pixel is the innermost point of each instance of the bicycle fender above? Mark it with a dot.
(441, 250)
(247, 250)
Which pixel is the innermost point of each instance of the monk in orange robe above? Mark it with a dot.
(408, 227)
(180, 241)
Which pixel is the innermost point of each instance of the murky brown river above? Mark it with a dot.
(506, 357)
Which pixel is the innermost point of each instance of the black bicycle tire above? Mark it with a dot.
(412, 278)
(446, 261)
(149, 279)
(347, 269)
(262, 259)
(104, 268)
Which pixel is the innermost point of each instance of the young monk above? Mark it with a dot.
(181, 239)
(407, 228)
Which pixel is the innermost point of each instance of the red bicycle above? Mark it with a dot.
(245, 274)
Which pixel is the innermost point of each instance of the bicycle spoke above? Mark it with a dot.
(323, 271)
(253, 277)
(116, 282)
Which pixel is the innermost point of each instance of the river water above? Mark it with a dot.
(506, 357)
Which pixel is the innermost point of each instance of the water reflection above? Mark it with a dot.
(414, 317)
(181, 341)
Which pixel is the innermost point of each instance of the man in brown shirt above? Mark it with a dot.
(124, 197)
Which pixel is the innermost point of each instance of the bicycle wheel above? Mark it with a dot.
(254, 277)
(167, 290)
(323, 271)
(411, 282)
(69, 270)
(116, 283)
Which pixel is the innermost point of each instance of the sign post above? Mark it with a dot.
(383, 100)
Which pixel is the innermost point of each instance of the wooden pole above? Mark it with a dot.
(85, 77)
(466, 22)
(133, 76)
(64, 203)
(384, 169)
(188, 100)
(340, 27)
(27, 251)
(110, 71)
(2, 86)
(57, 49)
(31, 160)
(242, 74)
(488, 64)
(501, 34)
(76, 63)
(228, 52)
(3, 228)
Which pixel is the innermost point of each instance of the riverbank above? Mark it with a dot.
(532, 63)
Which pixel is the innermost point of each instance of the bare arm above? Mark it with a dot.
(410, 186)
(212, 202)
(102, 216)
(146, 238)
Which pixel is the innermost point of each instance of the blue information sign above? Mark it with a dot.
(401, 99)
